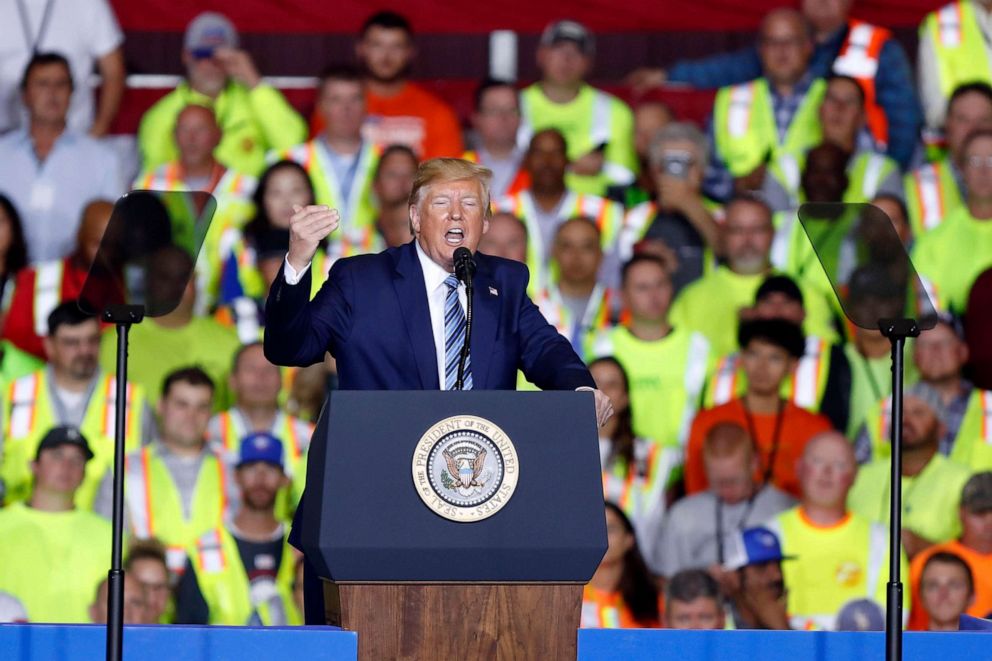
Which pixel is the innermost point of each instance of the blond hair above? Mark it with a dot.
(440, 170)
(725, 439)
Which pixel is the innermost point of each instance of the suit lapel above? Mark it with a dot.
(408, 283)
(485, 310)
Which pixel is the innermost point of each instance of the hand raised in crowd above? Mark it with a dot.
(645, 79)
(308, 226)
(238, 65)
(678, 194)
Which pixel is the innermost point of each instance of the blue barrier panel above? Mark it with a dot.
(655, 644)
(86, 642)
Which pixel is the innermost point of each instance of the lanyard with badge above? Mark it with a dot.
(34, 41)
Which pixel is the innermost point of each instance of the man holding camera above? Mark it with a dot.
(254, 117)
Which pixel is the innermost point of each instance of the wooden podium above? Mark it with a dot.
(414, 580)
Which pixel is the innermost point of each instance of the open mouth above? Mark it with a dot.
(454, 236)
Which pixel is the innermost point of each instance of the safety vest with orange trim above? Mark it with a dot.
(606, 610)
(932, 193)
(230, 596)
(154, 505)
(358, 208)
(599, 314)
(226, 430)
(958, 43)
(804, 387)
(520, 181)
(637, 221)
(29, 412)
(608, 216)
(859, 59)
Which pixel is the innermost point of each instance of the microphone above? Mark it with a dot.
(464, 265)
(464, 270)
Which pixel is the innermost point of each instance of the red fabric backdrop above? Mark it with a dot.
(433, 16)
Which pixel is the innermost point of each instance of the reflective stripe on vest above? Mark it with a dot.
(739, 113)
(872, 177)
(809, 371)
(23, 394)
(725, 379)
(246, 319)
(949, 21)
(986, 402)
(210, 555)
(930, 195)
(47, 293)
(635, 226)
(959, 46)
(695, 376)
(859, 59)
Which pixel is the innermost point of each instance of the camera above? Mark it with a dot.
(676, 163)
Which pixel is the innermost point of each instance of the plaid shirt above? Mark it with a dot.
(784, 108)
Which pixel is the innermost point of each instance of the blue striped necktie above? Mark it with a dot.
(454, 337)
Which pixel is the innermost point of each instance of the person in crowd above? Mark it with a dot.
(254, 116)
(821, 381)
(974, 547)
(254, 585)
(839, 555)
(165, 343)
(935, 190)
(507, 237)
(87, 34)
(937, 254)
(597, 127)
(256, 384)
(70, 390)
(697, 527)
(178, 487)
(778, 428)
(197, 136)
(679, 215)
(342, 164)
(496, 121)
(667, 364)
(650, 117)
(843, 45)
(757, 587)
(895, 208)
(146, 563)
(49, 171)
(786, 97)
(55, 553)
(713, 304)
(621, 593)
(947, 589)
(39, 289)
(931, 483)
(401, 112)
(693, 601)
(135, 603)
(953, 49)
(549, 202)
(13, 249)
(940, 355)
(391, 187)
(575, 302)
(638, 473)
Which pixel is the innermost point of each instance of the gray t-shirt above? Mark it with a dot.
(689, 534)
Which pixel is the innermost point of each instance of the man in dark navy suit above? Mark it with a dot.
(392, 320)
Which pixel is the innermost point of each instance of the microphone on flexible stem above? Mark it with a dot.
(464, 270)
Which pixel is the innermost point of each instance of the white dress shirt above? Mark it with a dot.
(437, 293)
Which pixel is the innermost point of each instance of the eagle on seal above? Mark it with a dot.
(465, 471)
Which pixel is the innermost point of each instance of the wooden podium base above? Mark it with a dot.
(413, 621)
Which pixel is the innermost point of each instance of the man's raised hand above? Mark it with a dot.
(308, 226)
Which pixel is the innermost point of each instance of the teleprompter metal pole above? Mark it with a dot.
(897, 330)
(123, 316)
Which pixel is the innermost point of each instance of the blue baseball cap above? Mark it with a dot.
(753, 546)
(260, 446)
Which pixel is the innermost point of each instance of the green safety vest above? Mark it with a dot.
(745, 131)
(950, 257)
(608, 216)
(932, 193)
(832, 566)
(154, 505)
(223, 581)
(358, 224)
(962, 56)
(28, 414)
(593, 118)
(666, 378)
(865, 173)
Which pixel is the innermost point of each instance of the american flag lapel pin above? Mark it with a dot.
(492, 291)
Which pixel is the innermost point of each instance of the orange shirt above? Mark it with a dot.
(797, 426)
(415, 118)
(606, 610)
(981, 569)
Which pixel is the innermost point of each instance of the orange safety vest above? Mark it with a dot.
(859, 59)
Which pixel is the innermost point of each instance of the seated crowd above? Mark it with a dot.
(745, 471)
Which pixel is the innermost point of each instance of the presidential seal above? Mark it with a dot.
(465, 468)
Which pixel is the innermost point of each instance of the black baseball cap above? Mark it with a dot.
(64, 435)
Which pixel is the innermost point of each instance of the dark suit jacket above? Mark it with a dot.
(372, 315)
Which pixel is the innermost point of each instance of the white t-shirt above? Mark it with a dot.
(81, 30)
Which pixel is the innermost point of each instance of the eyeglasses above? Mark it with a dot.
(979, 162)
